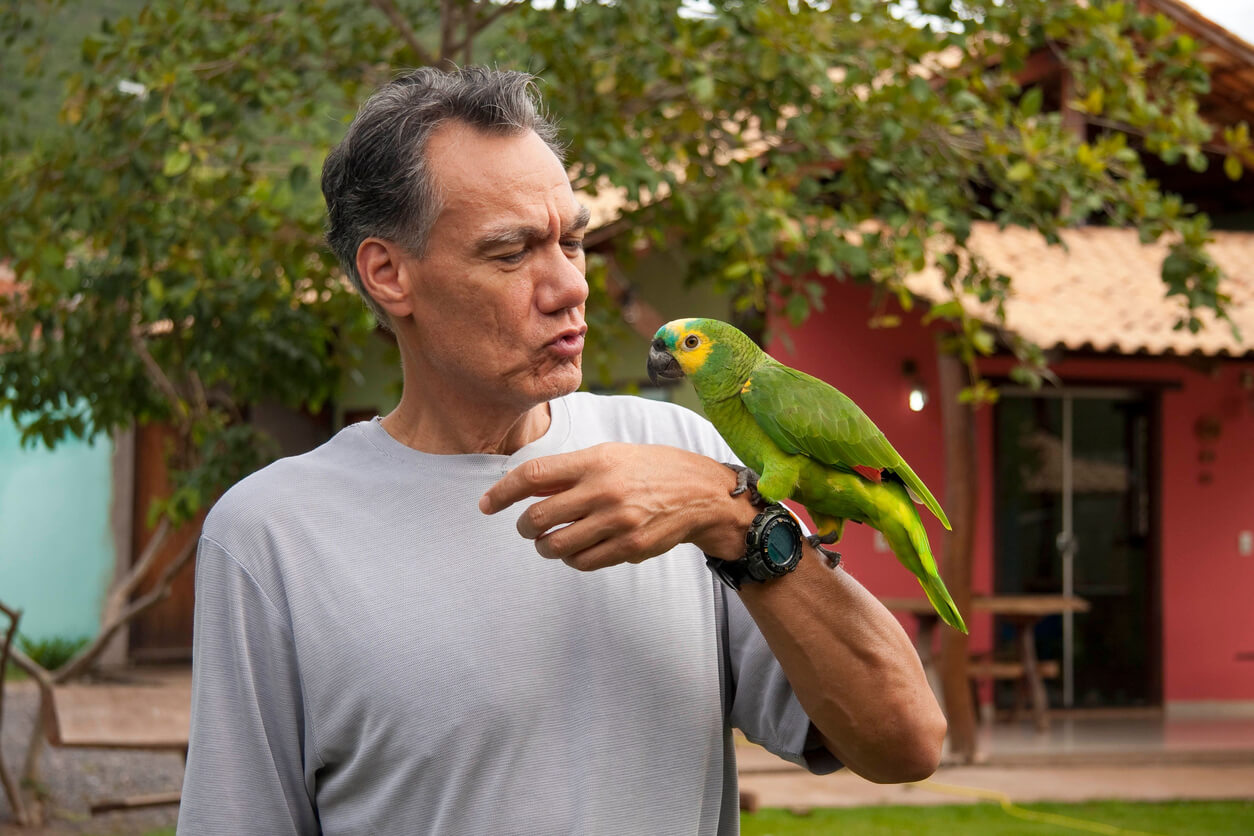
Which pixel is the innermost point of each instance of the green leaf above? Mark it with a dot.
(1030, 104)
(1020, 171)
(920, 90)
(1232, 167)
(176, 162)
(298, 176)
(768, 68)
(983, 342)
(797, 308)
(944, 310)
(703, 89)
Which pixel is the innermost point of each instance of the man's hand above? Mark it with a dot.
(624, 503)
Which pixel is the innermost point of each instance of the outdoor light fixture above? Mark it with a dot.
(918, 391)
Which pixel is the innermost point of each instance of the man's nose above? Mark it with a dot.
(564, 284)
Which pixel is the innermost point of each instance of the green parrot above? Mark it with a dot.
(808, 441)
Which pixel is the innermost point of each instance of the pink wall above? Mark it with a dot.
(1207, 587)
(1208, 609)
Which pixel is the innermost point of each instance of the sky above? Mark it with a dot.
(1237, 16)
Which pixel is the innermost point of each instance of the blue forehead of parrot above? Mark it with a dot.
(672, 331)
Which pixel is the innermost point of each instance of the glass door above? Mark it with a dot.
(1074, 516)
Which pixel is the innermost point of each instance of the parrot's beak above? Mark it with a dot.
(663, 367)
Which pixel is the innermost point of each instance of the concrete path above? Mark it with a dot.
(773, 783)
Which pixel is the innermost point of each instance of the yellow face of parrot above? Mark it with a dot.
(680, 347)
(688, 343)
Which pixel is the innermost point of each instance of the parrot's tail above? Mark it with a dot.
(930, 579)
(939, 596)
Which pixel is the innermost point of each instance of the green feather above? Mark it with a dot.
(802, 414)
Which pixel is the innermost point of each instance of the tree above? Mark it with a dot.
(166, 244)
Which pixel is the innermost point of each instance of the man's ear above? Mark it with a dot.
(386, 274)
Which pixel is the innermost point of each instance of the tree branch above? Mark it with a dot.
(477, 21)
(406, 31)
(447, 25)
(35, 744)
(160, 590)
(129, 582)
(155, 372)
(198, 392)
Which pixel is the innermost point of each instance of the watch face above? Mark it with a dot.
(781, 544)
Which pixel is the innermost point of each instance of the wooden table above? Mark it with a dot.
(1022, 611)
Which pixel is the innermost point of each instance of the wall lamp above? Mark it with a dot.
(917, 399)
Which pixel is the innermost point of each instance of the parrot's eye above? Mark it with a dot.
(692, 341)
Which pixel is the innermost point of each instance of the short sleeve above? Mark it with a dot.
(762, 702)
(246, 761)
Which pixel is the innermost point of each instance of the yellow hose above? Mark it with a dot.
(1029, 815)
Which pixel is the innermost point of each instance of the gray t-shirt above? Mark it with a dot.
(373, 655)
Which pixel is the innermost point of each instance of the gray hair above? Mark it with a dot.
(377, 181)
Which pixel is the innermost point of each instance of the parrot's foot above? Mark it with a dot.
(747, 480)
(827, 539)
(819, 541)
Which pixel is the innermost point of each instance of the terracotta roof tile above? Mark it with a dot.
(1103, 291)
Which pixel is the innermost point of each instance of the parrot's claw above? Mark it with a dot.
(819, 541)
(747, 480)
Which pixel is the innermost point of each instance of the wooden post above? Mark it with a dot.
(958, 420)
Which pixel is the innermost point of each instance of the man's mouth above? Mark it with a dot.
(569, 343)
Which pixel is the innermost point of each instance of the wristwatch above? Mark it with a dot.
(773, 549)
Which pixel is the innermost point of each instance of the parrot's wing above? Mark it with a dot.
(802, 414)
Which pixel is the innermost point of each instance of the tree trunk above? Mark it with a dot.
(30, 768)
(11, 789)
(960, 495)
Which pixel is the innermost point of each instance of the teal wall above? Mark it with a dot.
(56, 541)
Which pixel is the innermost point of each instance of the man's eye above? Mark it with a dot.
(573, 245)
(512, 258)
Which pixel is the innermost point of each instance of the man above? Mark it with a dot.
(391, 634)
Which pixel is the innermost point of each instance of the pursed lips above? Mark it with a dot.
(569, 342)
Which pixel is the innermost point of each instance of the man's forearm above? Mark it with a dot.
(853, 670)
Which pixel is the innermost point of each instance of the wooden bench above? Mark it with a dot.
(981, 667)
(150, 714)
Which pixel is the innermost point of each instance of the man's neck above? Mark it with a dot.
(447, 428)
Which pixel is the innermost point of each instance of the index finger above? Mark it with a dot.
(544, 476)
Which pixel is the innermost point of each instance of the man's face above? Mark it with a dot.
(498, 298)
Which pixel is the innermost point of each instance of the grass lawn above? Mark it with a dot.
(1203, 818)
(1173, 818)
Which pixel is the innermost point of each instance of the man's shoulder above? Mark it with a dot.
(285, 484)
(633, 411)
(640, 420)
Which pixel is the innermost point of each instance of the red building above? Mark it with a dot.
(1136, 468)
